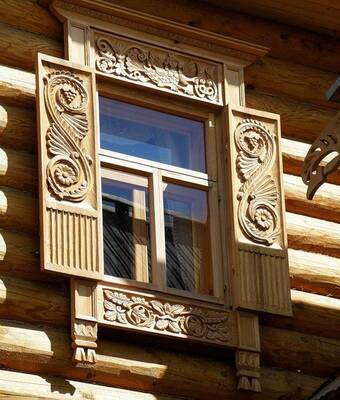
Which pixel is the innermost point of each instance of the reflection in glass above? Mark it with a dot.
(126, 229)
(188, 258)
(152, 135)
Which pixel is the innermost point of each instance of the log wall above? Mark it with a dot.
(299, 353)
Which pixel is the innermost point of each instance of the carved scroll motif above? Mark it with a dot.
(258, 195)
(315, 168)
(68, 170)
(157, 68)
(172, 318)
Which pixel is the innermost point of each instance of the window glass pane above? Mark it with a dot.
(152, 135)
(188, 258)
(126, 227)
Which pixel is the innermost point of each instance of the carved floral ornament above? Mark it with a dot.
(155, 315)
(156, 68)
(69, 175)
(258, 194)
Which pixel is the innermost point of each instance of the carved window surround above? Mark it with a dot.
(134, 50)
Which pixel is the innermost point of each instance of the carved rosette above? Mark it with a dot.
(68, 170)
(155, 315)
(258, 194)
(156, 68)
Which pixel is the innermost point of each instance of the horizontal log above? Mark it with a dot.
(30, 16)
(299, 120)
(312, 234)
(294, 153)
(301, 352)
(17, 87)
(18, 385)
(286, 78)
(315, 273)
(312, 313)
(284, 41)
(325, 204)
(18, 128)
(19, 211)
(136, 367)
(19, 48)
(47, 303)
(21, 255)
(18, 170)
(34, 302)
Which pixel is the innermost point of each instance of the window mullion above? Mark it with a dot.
(157, 231)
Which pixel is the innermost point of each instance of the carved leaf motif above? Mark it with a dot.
(69, 174)
(158, 68)
(166, 317)
(258, 195)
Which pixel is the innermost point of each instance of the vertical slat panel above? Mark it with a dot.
(69, 185)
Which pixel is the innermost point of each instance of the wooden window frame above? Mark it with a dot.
(112, 49)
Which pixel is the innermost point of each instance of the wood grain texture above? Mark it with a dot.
(312, 313)
(28, 15)
(17, 87)
(315, 273)
(47, 351)
(285, 42)
(313, 234)
(299, 120)
(20, 130)
(325, 204)
(19, 48)
(23, 386)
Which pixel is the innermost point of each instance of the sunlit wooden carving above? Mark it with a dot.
(157, 315)
(258, 195)
(315, 168)
(68, 170)
(167, 71)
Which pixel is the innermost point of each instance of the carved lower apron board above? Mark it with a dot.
(157, 314)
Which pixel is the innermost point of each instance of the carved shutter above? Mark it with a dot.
(259, 255)
(69, 169)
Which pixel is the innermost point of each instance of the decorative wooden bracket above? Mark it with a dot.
(316, 166)
(248, 370)
(84, 324)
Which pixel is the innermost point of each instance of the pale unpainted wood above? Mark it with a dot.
(18, 170)
(28, 15)
(19, 48)
(293, 80)
(301, 120)
(315, 273)
(294, 153)
(18, 210)
(34, 302)
(19, 127)
(46, 351)
(313, 234)
(24, 386)
(325, 204)
(303, 353)
(17, 87)
(285, 42)
(312, 313)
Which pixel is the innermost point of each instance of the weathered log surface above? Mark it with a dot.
(285, 41)
(325, 204)
(28, 15)
(48, 351)
(19, 48)
(315, 273)
(299, 120)
(313, 234)
(17, 87)
(312, 313)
